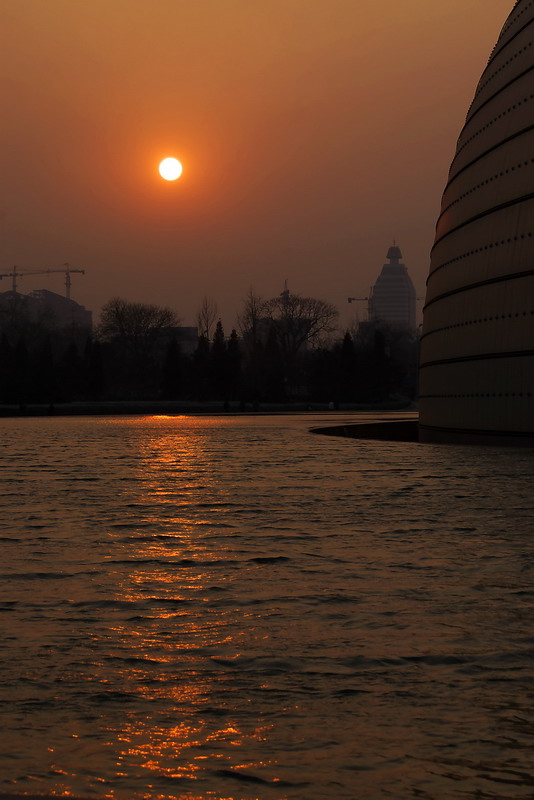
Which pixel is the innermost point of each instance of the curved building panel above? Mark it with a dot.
(495, 178)
(483, 250)
(477, 345)
(508, 58)
(508, 114)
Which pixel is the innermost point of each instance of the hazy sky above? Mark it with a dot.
(311, 132)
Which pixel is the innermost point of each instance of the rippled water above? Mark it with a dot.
(236, 608)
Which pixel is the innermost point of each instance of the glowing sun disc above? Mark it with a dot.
(170, 169)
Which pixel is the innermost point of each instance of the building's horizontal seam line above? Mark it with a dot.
(475, 396)
(496, 52)
(494, 210)
(513, 276)
(473, 252)
(494, 147)
(478, 357)
(493, 96)
(435, 331)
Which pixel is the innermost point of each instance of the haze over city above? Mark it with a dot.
(311, 135)
(273, 561)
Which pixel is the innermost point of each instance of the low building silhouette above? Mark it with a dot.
(48, 310)
(66, 313)
(186, 337)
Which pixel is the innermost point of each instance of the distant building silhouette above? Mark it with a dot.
(392, 300)
(186, 338)
(477, 347)
(66, 312)
(43, 305)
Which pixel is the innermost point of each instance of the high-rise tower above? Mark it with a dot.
(392, 299)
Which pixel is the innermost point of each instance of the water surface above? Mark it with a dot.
(231, 607)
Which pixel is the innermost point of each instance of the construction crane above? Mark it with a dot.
(360, 300)
(66, 269)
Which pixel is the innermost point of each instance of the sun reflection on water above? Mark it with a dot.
(168, 651)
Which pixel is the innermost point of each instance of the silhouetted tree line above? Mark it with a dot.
(285, 351)
(41, 362)
(55, 370)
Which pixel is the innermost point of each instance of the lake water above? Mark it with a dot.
(234, 608)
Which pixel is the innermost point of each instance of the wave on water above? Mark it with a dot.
(238, 609)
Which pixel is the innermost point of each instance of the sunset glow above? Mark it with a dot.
(170, 169)
(281, 174)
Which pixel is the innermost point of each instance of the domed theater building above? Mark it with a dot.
(477, 347)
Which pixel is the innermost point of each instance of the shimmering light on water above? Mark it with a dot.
(234, 608)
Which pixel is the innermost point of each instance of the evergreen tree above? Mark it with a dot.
(234, 359)
(218, 364)
(379, 373)
(323, 375)
(6, 370)
(347, 347)
(21, 375)
(348, 369)
(252, 374)
(200, 383)
(273, 370)
(93, 370)
(42, 376)
(70, 373)
(171, 373)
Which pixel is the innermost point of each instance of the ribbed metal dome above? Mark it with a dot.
(477, 348)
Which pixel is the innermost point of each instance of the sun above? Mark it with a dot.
(170, 169)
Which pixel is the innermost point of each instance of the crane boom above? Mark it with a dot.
(66, 269)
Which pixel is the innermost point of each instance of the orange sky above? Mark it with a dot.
(312, 132)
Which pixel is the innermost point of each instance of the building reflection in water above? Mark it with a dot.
(187, 720)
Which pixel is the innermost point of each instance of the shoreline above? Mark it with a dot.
(180, 407)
